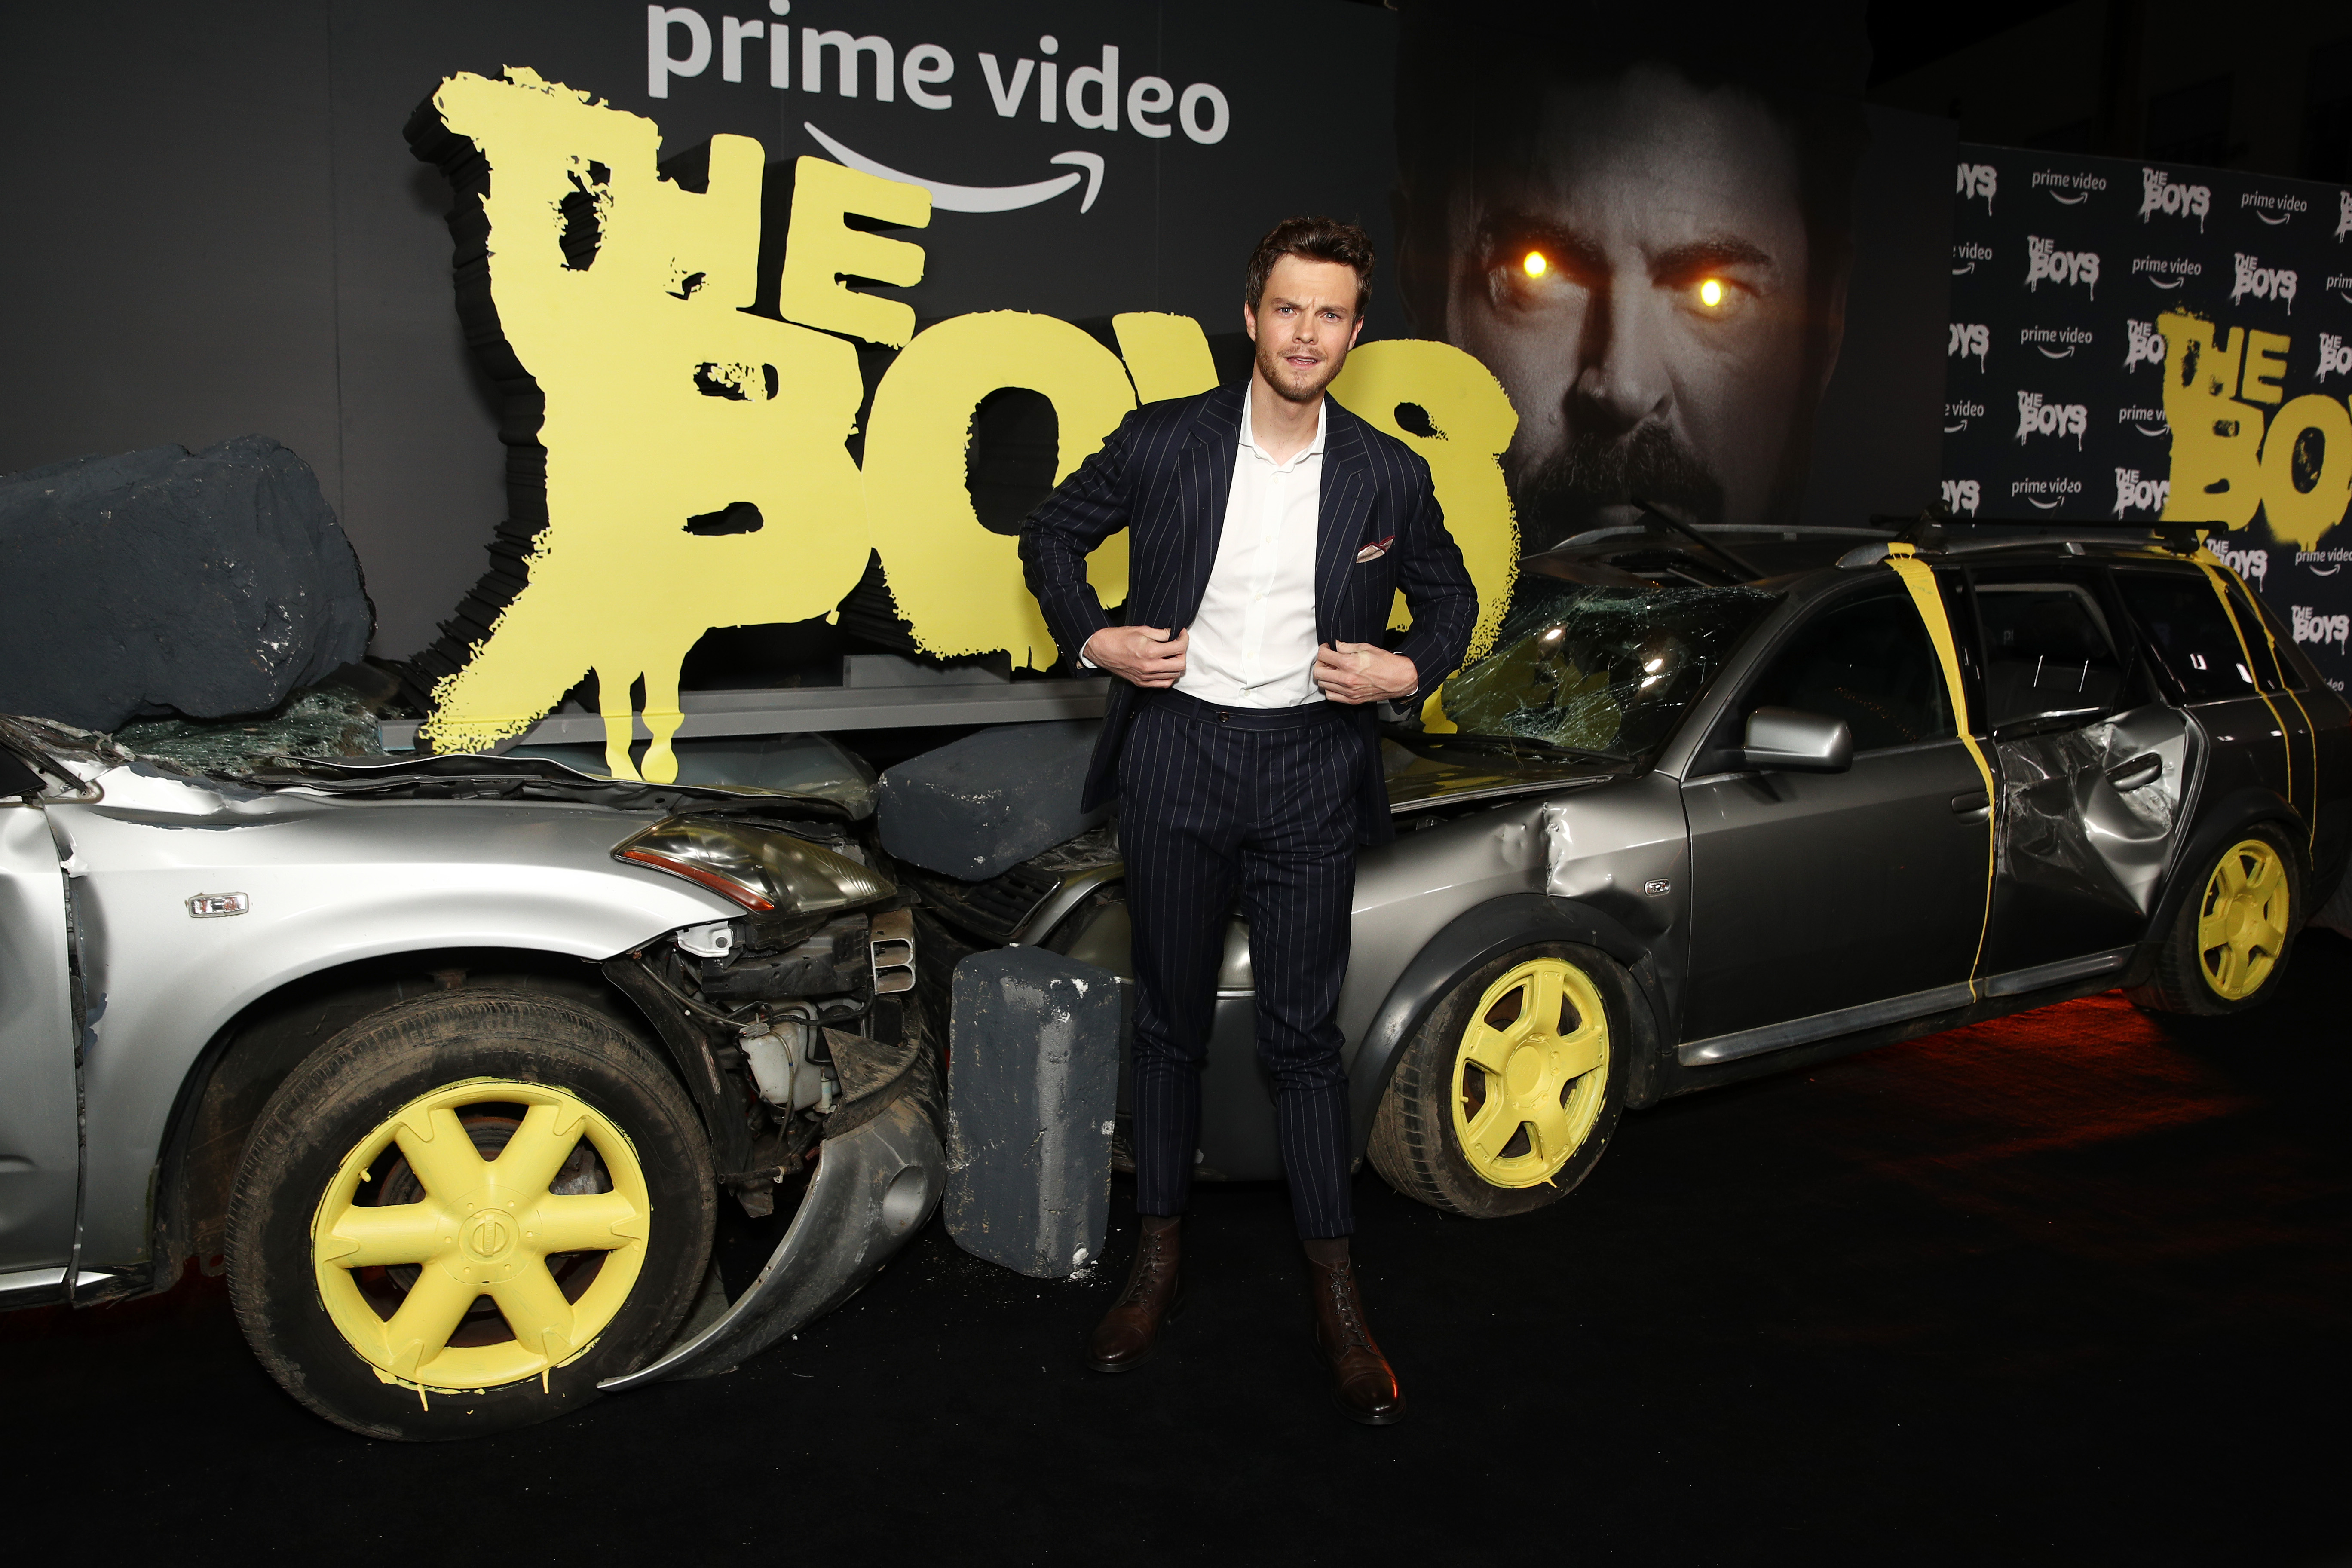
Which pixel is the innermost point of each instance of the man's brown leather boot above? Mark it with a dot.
(1129, 1331)
(1364, 1385)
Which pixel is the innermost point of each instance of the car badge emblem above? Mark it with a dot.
(213, 906)
(1657, 887)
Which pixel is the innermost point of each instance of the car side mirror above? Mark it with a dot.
(1790, 741)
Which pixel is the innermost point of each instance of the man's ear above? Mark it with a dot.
(1357, 330)
(1249, 319)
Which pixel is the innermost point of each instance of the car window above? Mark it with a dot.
(1601, 667)
(1869, 663)
(2047, 652)
(2271, 673)
(2192, 636)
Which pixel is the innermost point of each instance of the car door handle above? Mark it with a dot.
(2144, 769)
(1973, 806)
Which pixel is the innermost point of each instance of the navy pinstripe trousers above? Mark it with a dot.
(1262, 803)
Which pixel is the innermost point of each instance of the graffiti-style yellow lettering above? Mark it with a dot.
(1465, 420)
(2299, 516)
(2216, 440)
(958, 584)
(2265, 368)
(1167, 356)
(823, 251)
(666, 405)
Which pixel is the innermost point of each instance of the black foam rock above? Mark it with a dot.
(986, 803)
(205, 584)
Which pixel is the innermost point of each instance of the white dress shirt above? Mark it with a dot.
(1254, 639)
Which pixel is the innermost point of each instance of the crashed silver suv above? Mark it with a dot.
(450, 1062)
(1728, 804)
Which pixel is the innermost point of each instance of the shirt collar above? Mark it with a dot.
(1313, 449)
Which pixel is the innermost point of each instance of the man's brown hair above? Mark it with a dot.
(1312, 240)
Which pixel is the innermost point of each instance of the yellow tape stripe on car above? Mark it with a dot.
(2286, 743)
(1929, 602)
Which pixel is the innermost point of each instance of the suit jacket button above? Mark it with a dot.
(1221, 715)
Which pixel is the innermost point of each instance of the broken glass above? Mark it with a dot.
(1604, 668)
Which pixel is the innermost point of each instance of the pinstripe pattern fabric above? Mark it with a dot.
(1163, 475)
(1213, 810)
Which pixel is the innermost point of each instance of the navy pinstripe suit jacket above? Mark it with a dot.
(1164, 474)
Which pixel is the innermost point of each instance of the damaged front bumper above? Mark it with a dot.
(879, 1174)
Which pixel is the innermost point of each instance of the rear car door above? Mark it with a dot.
(38, 1141)
(1815, 895)
(2091, 767)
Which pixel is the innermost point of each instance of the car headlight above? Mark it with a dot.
(758, 867)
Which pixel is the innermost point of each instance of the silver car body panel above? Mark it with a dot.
(873, 1189)
(39, 1147)
(324, 882)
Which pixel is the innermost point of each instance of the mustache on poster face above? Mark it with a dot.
(1556, 496)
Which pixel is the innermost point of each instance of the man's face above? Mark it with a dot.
(1304, 324)
(1633, 268)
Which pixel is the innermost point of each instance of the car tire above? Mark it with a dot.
(1484, 1045)
(391, 1276)
(2227, 950)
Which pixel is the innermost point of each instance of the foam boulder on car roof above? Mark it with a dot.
(982, 805)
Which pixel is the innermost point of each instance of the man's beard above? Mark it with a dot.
(1557, 497)
(1277, 374)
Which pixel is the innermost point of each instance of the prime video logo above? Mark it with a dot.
(2263, 282)
(2311, 627)
(2037, 417)
(2254, 565)
(2145, 345)
(2136, 494)
(2159, 194)
(2044, 260)
(1962, 496)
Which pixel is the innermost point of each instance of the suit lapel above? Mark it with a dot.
(1339, 519)
(1205, 478)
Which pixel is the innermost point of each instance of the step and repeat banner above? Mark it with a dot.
(2129, 342)
(646, 346)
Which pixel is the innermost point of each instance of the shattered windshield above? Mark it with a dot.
(1601, 669)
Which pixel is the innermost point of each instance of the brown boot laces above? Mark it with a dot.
(1149, 1260)
(1340, 1278)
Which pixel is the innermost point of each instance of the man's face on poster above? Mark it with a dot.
(1633, 264)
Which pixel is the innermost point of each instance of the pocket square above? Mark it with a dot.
(1375, 552)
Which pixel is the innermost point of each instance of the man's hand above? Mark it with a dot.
(1145, 656)
(1357, 672)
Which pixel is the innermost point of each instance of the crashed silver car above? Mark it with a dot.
(451, 1061)
(1727, 804)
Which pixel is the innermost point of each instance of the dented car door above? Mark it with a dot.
(2092, 768)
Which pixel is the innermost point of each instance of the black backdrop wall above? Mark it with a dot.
(221, 229)
(2061, 269)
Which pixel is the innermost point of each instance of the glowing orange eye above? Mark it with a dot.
(1535, 264)
(1710, 293)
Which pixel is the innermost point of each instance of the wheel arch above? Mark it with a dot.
(222, 1092)
(2224, 820)
(1473, 937)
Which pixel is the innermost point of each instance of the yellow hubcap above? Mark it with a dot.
(1530, 1073)
(524, 1230)
(2242, 923)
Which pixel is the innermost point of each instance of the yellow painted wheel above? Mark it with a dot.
(1505, 1096)
(461, 1245)
(466, 1211)
(2241, 920)
(1531, 1073)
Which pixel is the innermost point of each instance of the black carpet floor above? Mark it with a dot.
(2068, 1288)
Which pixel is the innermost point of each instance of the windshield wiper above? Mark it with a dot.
(1516, 744)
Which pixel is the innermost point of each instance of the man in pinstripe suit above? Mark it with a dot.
(1270, 530)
